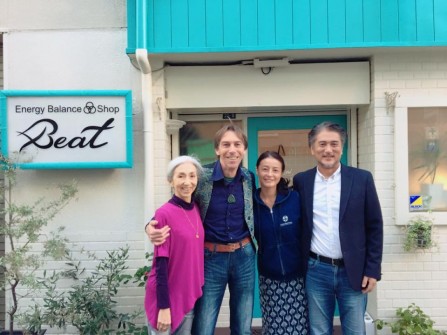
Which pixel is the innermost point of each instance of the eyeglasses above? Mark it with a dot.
(231, 199)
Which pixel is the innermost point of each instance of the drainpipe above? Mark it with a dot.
(146, 98)
(148, 131)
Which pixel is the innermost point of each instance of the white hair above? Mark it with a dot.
(180, 160)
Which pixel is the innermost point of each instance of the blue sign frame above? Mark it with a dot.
(127, 162)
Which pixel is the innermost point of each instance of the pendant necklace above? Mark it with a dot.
(197, 222)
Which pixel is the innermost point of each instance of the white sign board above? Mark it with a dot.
(67, 129)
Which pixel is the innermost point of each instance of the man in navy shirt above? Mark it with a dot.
(225, 196)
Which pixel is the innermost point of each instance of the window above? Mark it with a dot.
(420, 163)
(427, 158)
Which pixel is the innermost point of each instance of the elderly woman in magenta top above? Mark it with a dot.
(280, 264)
(177, 275)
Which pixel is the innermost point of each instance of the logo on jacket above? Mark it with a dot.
(285, 221)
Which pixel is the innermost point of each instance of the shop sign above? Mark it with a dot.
(67, 129)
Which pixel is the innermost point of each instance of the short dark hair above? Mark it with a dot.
(230, 127)
(330, 126)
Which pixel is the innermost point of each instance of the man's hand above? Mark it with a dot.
(368, 284)
(157, 236)
(164, 319)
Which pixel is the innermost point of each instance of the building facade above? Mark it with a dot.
(276, 68)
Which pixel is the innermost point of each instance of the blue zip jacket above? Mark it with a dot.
(278, 234)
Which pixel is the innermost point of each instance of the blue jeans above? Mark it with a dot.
(326, 283)
(237, 269)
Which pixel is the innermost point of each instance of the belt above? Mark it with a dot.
(324, 259)
(229, 247)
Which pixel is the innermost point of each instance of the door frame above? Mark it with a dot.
(256, 124)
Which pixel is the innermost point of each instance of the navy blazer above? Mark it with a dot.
(360, 222)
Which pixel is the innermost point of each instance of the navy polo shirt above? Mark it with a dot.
(224, 221)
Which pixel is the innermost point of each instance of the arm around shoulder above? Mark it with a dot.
(157, 236)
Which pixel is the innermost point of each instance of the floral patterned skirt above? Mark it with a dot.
(283, 306)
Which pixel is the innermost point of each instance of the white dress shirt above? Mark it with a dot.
(326, 210)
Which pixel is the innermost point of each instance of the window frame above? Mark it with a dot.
(401, 173)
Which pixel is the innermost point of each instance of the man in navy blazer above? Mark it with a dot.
(342, 234)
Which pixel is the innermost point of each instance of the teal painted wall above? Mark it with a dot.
(174, 26)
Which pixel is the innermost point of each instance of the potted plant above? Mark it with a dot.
(22, 227)
(418, 233)
(410, 321)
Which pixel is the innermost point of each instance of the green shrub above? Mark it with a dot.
(23, 228)
(410, 321)
(90, 303)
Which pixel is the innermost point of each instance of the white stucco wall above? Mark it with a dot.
(61, 14)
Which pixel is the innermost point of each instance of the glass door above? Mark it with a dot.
(288, 136)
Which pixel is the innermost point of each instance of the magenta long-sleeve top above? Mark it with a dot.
(184, 249)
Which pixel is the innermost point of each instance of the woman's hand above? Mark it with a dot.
(164, 319)
(157, 236)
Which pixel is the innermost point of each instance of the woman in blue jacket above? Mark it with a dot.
(280, 265)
